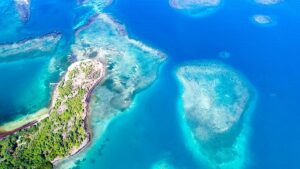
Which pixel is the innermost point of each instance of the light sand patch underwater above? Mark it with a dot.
(162, 164)
(263, 20)
(268, 2)
(96, 5)
(217, 103)
(196, 8)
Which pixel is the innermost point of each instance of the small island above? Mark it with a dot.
(65, 128)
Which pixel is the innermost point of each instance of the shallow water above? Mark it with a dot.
(21, 94)
(28, 74)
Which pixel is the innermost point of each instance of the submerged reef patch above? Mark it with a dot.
(197, 8)
(23, 8)
(224, 55)
(263, 20)
(162, 164)
(268, 2)
(217, 102)
(97, 5)
(44, 43)
(131, 65)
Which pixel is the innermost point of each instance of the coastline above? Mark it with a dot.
(22, 123)
(101, 128)
(7, 133)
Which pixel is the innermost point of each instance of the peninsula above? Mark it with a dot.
(65, 128)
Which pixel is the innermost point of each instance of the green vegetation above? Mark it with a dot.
(62, 132)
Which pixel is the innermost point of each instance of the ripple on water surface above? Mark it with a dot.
(216, 104)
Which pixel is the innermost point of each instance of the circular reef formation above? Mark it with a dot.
(196, 8)
(263, 20)
(216, 102)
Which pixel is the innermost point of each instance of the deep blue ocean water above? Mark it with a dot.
(149, 131)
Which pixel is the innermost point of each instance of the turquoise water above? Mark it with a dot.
(28, 74)
(150, 130)
(22, 94)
